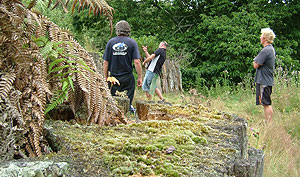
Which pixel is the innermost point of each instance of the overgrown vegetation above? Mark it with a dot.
(217, 49)
(279, 141)
(141, 148)
(183, 146)
(24, 86)
(212, 37)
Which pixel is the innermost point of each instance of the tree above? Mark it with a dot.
(220, 35)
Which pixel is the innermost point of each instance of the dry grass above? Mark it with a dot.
(282, 151)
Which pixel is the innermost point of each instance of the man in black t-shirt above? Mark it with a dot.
(119, 53)
(156, 60)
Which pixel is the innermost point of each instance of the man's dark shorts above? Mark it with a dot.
(263, 94)
(127, 82)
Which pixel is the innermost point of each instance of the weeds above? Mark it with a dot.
(279, 141)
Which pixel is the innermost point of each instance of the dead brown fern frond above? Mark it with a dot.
(91, 85)
(11, 123)
(24, 90)
(95, 6)
(22, 55)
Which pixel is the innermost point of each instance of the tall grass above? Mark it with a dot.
(280, 140)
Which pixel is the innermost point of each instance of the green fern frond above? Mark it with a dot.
(40, 41)
(46, 50)
(65, 84)
(71, 82)
(62, 65)
(55, 62)
(59, 68)
(56, 101)
(62, 74)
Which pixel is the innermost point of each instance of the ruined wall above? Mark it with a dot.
(226, 138)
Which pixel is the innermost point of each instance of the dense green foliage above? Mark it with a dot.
(210, 38)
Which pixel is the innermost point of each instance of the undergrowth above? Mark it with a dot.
(280, 140)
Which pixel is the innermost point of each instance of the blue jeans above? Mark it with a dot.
(147, 80)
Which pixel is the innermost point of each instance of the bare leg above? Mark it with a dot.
(268, 113)
(148, 95)
(157, 91)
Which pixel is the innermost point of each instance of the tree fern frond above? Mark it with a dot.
(73, 5)
(32, 4)
(35, 141)
(45, 50)
(49, 3)
(70, 81)
(59, 68)
(3, 39)
(41, 41)
(67, 3)
(57, 101)
(53, 63)
(63, 74)
(6, 82)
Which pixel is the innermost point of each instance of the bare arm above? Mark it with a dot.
(105, 69)
(145, 49)
(255, 65)
(138, 68)
(149, 58)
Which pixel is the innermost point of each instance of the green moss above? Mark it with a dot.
(199, 140)
(140, 148)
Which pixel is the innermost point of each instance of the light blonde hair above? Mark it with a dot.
(164, 43)
(268, 34)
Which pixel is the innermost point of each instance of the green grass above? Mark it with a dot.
(280, 140)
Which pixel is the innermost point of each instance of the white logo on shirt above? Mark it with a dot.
(120, 48)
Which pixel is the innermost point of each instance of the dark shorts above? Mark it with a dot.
(127, 82)
(263, 94)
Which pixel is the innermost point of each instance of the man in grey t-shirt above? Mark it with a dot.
(264, 63)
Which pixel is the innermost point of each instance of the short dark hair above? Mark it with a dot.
(123, 28)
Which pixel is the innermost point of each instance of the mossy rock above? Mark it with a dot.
(204, 145)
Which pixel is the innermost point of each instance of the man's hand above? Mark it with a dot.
(113, 80)
(145, 48)
(138, 68)
(139, 82)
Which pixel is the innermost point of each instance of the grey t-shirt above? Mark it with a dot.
(264, 73)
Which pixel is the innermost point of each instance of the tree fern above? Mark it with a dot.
(59, 67)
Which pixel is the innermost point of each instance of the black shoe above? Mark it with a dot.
(163, 101)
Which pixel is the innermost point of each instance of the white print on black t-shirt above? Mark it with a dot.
(120, 48)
